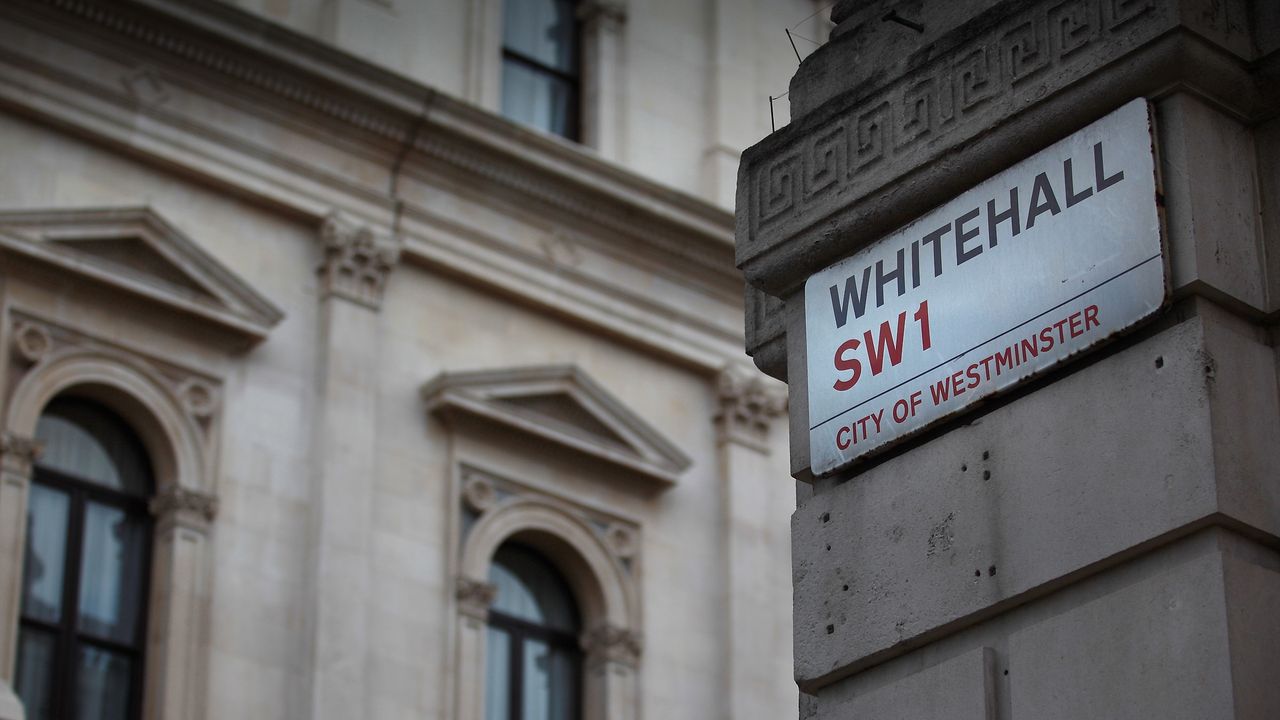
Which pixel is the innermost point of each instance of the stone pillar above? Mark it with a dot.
(17, 454)
(612, 655)
(604, 89)
(754, 524)
(1102, 543)
(352, 277)
(474, 598)
(176, 661)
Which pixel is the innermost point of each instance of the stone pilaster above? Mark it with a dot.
(612, 656)
(357, 261)
(179, 614)
(17, 455)
(755, 511)
(603, 22)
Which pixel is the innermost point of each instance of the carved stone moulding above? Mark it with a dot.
(179, 504)
(474, 597)
(859, 160)
(18, 453)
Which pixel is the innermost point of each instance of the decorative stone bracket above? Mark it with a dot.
(18, 453)
(612, 644)
(357, 261)
(747, 405)
(475, 597)
(183, 507)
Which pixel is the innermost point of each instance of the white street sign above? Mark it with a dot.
(1034, 265)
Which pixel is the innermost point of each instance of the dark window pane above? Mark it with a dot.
(34, 681)
(102, 685)
(537, 99)
(497, 689)
(549, 682)
(530, 589)
(90, 443)
(46, 554)
(111, 573)
(542, 30)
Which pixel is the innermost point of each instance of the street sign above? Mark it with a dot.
(1036, 264)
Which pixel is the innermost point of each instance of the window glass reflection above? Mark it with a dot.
(111, 579)
(46, 553)
(34, 680)
(103, 681)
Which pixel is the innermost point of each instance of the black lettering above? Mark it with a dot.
(995, 218)
(1102, 182)
(915, 264)
(934, 237)
(897, 274)
(840, 306)
(1072, 196)
(1047, 201)
(962, 236)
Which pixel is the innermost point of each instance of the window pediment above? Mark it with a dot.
(137, 251)
(562, 405)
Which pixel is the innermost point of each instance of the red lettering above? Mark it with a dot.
(1004, 358)
(955, 383)
(922, 317)
(887, 341)
(1046, 340)
(1091, 317)
(940, 390)
(972, 374)
(839, 434)
(1074, 321)
(850, 364)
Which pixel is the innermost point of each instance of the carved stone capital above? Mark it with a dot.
(609, 643)
(18, 453)
(748, 402)
(175, 505)
(606, 15)
(357, 261)
(31, 342)
(475, 597)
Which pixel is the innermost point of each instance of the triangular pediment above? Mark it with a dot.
(559, 403)
(139, 252)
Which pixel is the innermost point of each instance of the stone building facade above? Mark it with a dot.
(1102, 541)
(299, 334)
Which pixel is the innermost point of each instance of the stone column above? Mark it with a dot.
(609, 677)
(604, 77)
(17, 454)
(353, 276)
(176, 662)
(755, 531)
(474, 598)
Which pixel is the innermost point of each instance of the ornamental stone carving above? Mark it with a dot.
(31, 342)
(18, 453)
(621, 540)
(357, 261)
(198, 398)
(609, 643)
(479, 494)
(747, 405)
(475, 597)
(183, 506)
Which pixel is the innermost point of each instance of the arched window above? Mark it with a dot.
(85, 575)
(533, 661)
(541, 60)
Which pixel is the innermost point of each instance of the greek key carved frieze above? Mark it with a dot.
(931, 102)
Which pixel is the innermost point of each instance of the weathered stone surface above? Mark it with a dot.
(961, 688)
(1156, 649)
(1156, 439)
